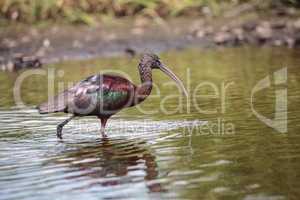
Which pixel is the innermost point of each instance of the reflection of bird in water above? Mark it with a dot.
(111, 158)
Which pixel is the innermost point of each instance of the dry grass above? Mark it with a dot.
(82, 11)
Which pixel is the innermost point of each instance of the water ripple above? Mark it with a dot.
(33, 159)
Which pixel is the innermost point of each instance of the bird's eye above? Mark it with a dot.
(157, 63)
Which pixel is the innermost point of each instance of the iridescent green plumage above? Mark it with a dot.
(105, 95)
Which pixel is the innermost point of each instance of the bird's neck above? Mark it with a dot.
(144, 90)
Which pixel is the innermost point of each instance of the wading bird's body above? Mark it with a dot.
(105, 95)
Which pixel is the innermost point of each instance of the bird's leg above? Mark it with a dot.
(61, 125)
(103, 123)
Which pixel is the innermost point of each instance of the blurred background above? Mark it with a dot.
(61, 29)
(231, 45)
(88, 11)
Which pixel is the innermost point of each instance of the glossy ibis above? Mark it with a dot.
(104, 95)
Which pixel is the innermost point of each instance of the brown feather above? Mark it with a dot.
(56, 104)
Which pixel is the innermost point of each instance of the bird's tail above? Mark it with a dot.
(56, 104)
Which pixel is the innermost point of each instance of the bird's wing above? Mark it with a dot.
(72, 98)
(84, 95)
(100, 92)
(88, 85)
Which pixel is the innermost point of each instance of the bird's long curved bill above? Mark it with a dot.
(167, 71)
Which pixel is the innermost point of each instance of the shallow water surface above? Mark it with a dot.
(211, 146)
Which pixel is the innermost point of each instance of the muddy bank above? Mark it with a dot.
(54, 43)
(62, 42)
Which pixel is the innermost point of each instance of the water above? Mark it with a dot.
(204, 150)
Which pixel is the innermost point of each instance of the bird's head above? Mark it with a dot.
(152, 61)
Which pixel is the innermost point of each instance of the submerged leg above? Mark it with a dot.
(61, 125)
(103, 124)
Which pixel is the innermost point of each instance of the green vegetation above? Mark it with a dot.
(83, 11)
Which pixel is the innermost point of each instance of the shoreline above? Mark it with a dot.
(55, 43)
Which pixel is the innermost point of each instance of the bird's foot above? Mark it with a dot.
(103, 133)
(59, 132)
